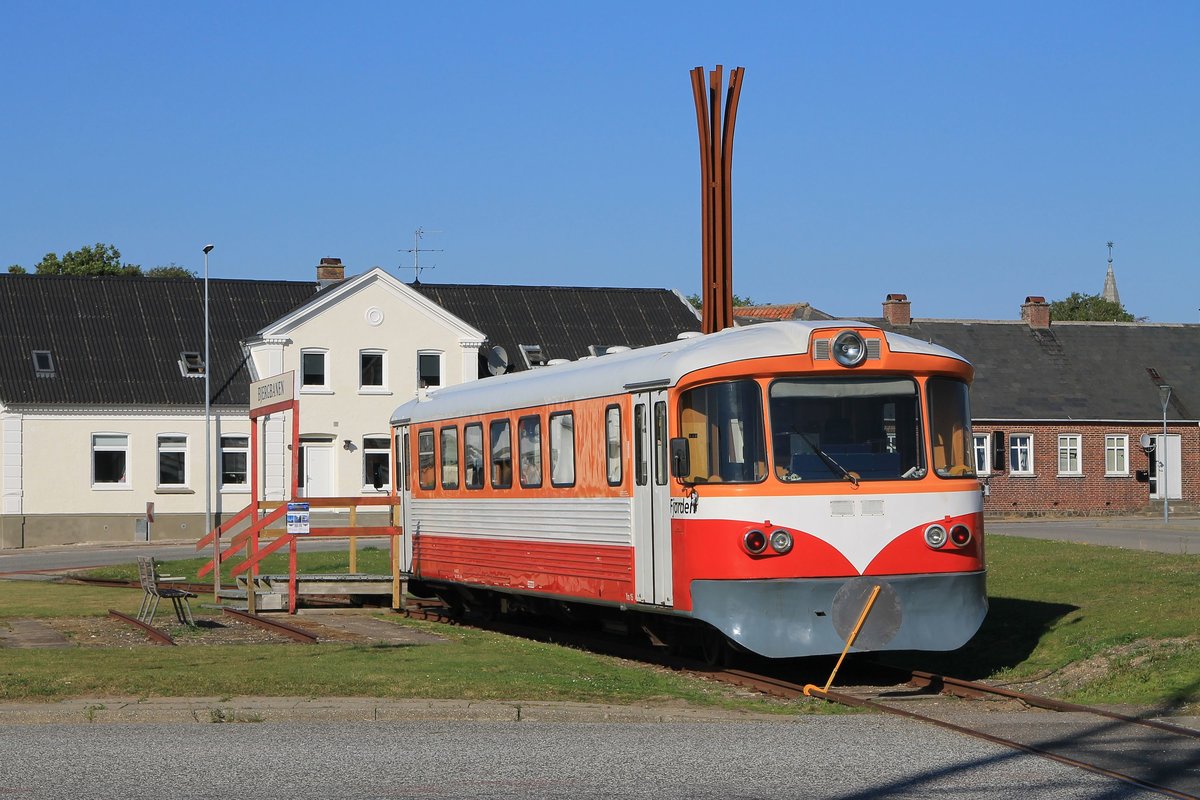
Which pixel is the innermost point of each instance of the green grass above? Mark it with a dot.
(1056, 604)
(1055, 607)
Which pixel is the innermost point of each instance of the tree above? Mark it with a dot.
(694, 299)
(1088, 308)
(171, 270)
(102, 259)
(17, 269)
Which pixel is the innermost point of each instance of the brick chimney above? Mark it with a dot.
(1036, 312)
(897, 310)
(330, 271)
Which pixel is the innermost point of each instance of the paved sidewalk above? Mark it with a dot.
(208, 710)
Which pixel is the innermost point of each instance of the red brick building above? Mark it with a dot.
(1059, 410)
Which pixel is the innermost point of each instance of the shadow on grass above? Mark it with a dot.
(1009, 634)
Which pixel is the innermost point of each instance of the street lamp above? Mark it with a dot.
(208, 440)
(1164, 394)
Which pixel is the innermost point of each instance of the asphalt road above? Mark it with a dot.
(1181, 535)
(831, 757)
(29, 561)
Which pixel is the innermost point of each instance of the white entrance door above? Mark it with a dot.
(651, 500)
(318, 469)
(1166, 462)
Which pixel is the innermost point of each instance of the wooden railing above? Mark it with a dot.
(249, 539)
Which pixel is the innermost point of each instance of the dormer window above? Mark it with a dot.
(534, 355)
(43, 364)
(191, 364)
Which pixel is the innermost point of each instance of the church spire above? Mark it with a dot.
(1110, 292)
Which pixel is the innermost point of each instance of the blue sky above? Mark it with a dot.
(965, 154)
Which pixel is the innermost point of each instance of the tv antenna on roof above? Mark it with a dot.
(417, 250)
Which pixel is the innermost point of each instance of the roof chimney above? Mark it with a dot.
(1036, 312)
(330, 271)
(897, 310)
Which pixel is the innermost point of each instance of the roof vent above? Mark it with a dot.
(821, 350)
(43, 364)
(534, 355)
(191, 364)
(689, 335)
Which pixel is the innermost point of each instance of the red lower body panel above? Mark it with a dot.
(587, 572)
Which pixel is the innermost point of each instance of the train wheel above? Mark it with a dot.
(714, 648)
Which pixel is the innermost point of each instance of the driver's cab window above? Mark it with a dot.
(723, 424)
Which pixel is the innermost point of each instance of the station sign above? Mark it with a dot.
(297, 519)
(272, 391)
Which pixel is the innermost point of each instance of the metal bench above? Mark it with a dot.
(148, 575)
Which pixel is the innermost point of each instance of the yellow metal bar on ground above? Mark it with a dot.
(862, 619)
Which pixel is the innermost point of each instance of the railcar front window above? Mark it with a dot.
(723, 425)
(846, 429)
(950, 428)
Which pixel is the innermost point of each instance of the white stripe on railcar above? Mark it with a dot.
(858, 536)
(600, 521)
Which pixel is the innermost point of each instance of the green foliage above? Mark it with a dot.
(1088, 308)
(171, 270)
(100, 259)
(738, 300)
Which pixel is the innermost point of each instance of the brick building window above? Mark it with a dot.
(1116, 454)
(982, 444)
(1020, 454)
(1069, 446)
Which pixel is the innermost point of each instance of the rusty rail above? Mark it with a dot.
(157, 636)
(281, 628)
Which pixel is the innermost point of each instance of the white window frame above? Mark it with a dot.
(386, 452)
(1013, 462)
(233, 487)
(173, 447)
(122, 486)
(1122, 446)
(986, 438)
(382, 388)
(314, 388)
(1066, 443)
(441, 357)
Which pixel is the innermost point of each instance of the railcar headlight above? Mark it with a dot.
(781, 542)
(935, 536)
(849, 349)
(755, 541)
(960, 535)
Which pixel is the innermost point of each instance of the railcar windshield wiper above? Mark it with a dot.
(834, 466)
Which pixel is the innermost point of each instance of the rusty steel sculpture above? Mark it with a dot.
(716, 167)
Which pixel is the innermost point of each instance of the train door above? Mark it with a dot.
(404, 492)
(651, 499)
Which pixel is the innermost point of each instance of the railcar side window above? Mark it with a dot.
(501, 452)
(950, 428)
(660, 444)
(641, 472)
(837, 429)
(449, 458)
(723, 424)
(612, 444)
(426, 469)
(562, 449)
(473, 456)
(398, 444)
(529, 451)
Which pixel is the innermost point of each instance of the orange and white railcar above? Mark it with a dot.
(762, 480)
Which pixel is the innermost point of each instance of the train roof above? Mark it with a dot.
(659, 366)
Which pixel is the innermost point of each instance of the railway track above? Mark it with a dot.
(274, 626)
(1179, 782)
(157, 635)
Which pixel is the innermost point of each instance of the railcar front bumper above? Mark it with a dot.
(806, 617)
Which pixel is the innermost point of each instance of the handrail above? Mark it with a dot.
(241, 538)
(335, 502)
(252, 560)
(224, 526)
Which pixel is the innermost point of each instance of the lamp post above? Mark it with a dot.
(208, 440)
(1164, 393)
